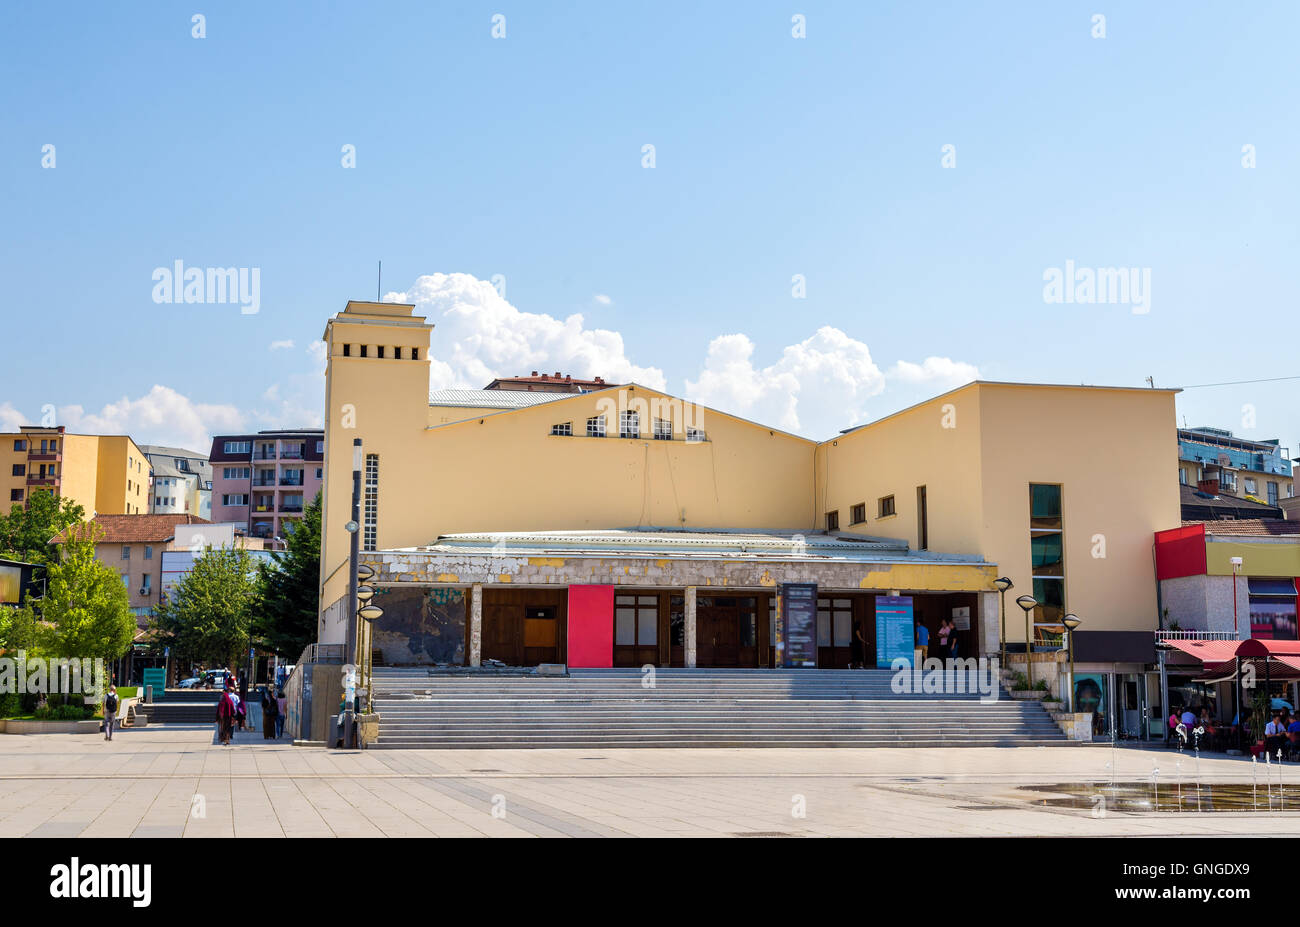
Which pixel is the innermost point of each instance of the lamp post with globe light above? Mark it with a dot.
(1028, 603)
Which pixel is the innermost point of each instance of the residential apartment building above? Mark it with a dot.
(105, 474)
(548, 383)
(182, 481)
(265, 480)
(133, 545)
(1215, 462)
(626, 526)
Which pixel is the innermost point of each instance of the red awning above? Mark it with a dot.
(1207, 651)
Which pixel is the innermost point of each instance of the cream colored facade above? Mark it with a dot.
(105, 474)
(444, 471)
(977, 449)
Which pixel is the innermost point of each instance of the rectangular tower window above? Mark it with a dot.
(371, 507)
(1047, 567)
(922, 520)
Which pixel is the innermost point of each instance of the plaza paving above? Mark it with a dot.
(145, 782)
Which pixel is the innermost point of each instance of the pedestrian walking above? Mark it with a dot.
(110, 712)
(226, 715)
(243, 697)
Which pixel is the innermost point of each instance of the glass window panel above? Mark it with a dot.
(1048, 553)
(647, 627)
(648, 600)
(843, 603)
(624, 626)
(748, 637)
(823, 629)
(843, 629)
(676, 621)
(1044, 506)
(624, 600)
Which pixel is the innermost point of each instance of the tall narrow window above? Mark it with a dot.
(347, 350)
(371, 513)
(833, 520)
(922, 520)
(1047, 552)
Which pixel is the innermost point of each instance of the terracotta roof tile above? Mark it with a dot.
(126, 529)
(1250, 527)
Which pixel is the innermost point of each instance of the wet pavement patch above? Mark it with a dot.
(1163, 796)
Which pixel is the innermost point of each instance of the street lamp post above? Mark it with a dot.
(1071, 622)
(1236, 570)
(1003, 584)
(1028, 603)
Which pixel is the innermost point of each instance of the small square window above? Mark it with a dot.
(15, 495)
(695, 435)
(858, 513)
(663, 429)
(563, 428)
(596, 427)
(885, 507)
(833, 520)
(629, 424)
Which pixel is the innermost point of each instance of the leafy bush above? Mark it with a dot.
(10, 705)
(64, 713)
(1020, 682)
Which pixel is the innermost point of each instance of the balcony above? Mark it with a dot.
(290, 481)
(290, 510)
(41, 456)
(263, 482)
(35, 479)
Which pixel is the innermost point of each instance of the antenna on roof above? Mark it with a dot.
(1151, 382)
(379, 284)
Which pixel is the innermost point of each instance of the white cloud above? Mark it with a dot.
(602, 299)
(939, 373)
(161, 416)
(815, 388)
(286, 345)
(480, 336)
(11, 418)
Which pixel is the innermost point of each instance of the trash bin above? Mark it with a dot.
(148, 694)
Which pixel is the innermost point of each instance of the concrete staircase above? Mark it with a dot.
(182, 706)
(594, 709)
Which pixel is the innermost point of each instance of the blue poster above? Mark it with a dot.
(895, 634)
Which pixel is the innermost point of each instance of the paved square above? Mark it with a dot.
(174, 781)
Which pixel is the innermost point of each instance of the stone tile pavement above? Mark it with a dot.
(174, 781)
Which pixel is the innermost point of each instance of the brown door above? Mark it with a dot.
(726, 629)
(503, 627)
(834, 632)
(541, 635)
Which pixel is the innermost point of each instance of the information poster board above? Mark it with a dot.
(895, 633)
(799, 624)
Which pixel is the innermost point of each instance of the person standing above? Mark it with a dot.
(243, 697)
(945, 632)
(923, 640)
(281, 708)
(270, 710)
(110, 712)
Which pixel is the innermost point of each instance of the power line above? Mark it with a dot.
(1240, 382)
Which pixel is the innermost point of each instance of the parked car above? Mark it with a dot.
(189, 683)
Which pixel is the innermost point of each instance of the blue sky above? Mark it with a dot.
(774, 156)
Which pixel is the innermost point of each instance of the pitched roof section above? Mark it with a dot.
(127, 529)
(1200, 506)
(1249, 527)
(492, 398)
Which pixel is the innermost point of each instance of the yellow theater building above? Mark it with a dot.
(105, 474)
(623, 526)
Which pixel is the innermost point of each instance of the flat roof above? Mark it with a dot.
(777, 545)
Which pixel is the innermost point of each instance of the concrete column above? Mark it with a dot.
(990, 624)
(690, 625)
(476, 625)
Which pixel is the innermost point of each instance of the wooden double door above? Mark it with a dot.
(524, 627)
(726, 631)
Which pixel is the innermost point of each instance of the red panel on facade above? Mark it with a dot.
(591, 626)
(1180, 552)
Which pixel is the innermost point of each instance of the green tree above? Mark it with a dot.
(26, 531)
(290, 588)
(207, 614)
(85, 609)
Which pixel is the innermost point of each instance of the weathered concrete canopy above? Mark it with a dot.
(671, 558)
